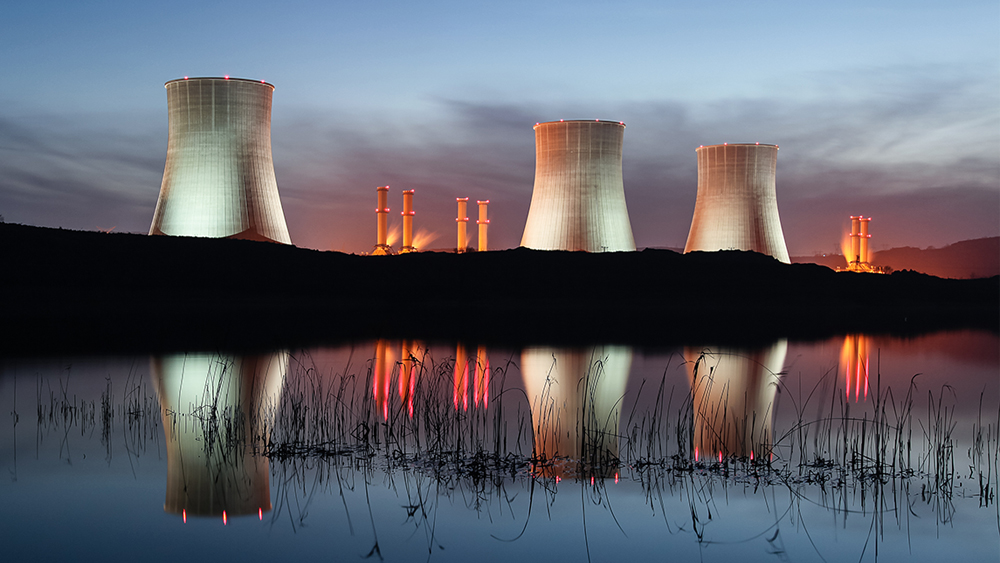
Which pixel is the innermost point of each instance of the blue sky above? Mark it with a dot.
(890, 110)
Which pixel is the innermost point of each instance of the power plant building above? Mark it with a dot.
(218, 180)
(578, 200)
(737, 206)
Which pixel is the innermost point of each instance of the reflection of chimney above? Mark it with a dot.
(407, 222)
(575, 396)
(461, 391)
(732, 394)
(382, 212)
(481, 385)
(408, 373)
(211, 472)
(483, 223)
(382, 376)
(855, 256)
(462, 221)
(854, 365)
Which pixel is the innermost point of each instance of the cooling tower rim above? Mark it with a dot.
(222, 78)
(604, 121)
(736, 145)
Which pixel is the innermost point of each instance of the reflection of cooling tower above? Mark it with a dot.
(737, 207)
(575, 400)
(733, 398)
(216, 410)
(219, 178)
(578, 202)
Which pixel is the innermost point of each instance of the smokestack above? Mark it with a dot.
(218, 180)
(855, 256)
(864, 236)
(737, 207)
(462, 221)
(407, 222)
(578, 200)
(382, 212)
(483, 223)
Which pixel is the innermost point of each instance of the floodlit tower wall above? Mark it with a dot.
(218, 180)
(578, 201)
(737, 207)
(483, 223)
(463, 221)
(855, 241)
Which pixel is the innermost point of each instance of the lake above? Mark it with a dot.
(854, 448)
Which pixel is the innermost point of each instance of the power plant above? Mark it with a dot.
(578, 200)
(737, 206)
(218, 180)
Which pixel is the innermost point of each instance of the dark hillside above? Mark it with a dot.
(72, 290)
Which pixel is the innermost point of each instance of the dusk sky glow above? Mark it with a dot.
(889, 110)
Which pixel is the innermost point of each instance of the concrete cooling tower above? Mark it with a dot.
(737, 208)
(578, 202)
(218, 180)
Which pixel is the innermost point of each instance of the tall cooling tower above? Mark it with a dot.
(219, 177)
(737, 208)
(578, 202)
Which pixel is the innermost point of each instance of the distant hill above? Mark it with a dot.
(977, 258)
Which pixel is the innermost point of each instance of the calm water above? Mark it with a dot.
(851, 449)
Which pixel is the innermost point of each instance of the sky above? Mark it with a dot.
(887, 109)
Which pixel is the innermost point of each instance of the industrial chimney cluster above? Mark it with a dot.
(219, 181)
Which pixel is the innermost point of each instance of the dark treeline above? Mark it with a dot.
(94, 292)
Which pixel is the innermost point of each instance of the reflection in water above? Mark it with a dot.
(385, 366)
(733, 398)
(575, 397)
(854, 365)
(217, 412)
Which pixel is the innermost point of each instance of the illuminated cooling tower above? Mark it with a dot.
(217, 412)
(218, 180)
(733, 394)
(576, 397)
(737, 208)
(578, 202)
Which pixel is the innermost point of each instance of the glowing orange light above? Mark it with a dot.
(696, 453)
(616, 477)
(184, 513)
(751, 455)
(225, 520)
(720, 457)
(260, 510)
(591, 479)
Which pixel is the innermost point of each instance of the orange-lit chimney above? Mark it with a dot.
(462, 220)
(382, 212)
(855, 256)
(863, 256)
(483, 223)
(408, 214)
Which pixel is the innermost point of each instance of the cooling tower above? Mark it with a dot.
(218, 180)
(578, 202)
(737, 208)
